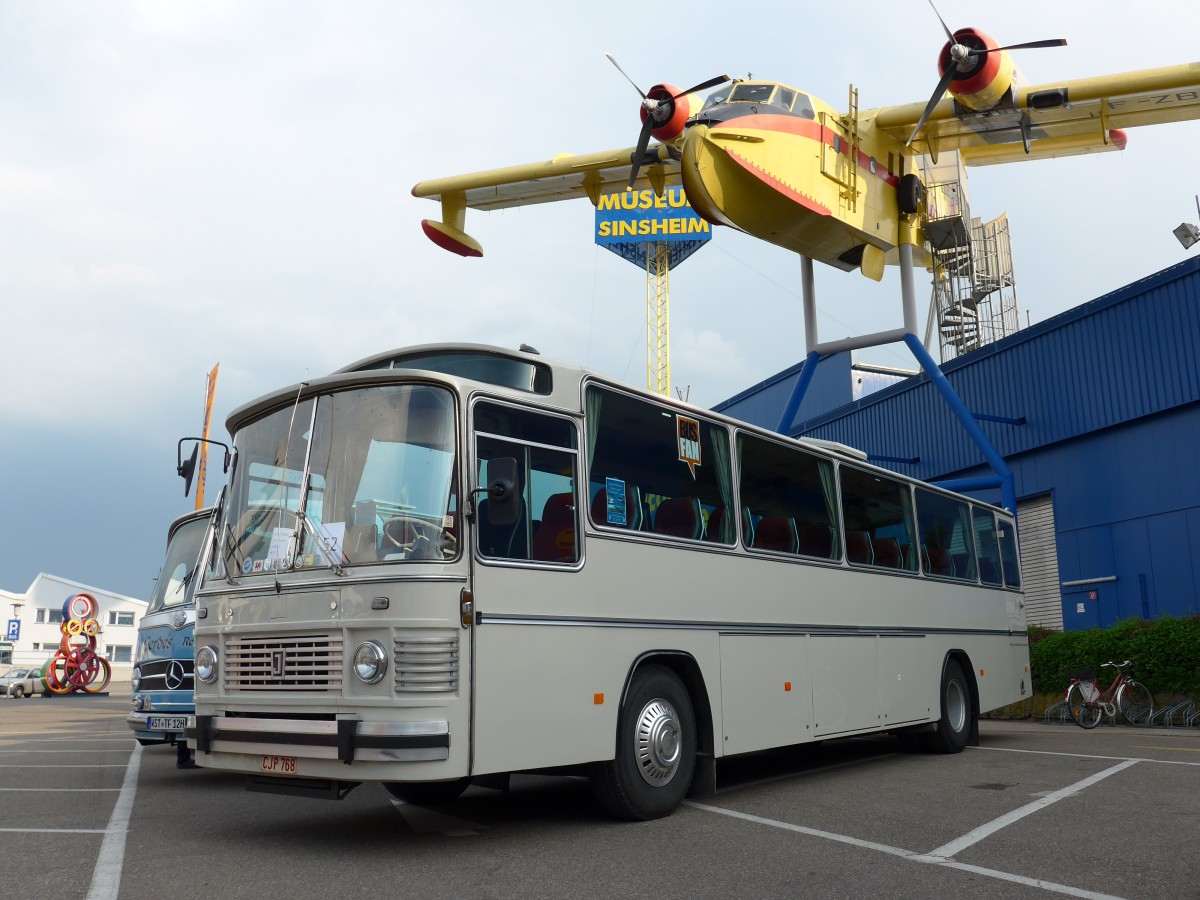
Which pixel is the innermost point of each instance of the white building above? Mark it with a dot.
(33, 620)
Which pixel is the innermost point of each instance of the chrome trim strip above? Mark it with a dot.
(732, 627)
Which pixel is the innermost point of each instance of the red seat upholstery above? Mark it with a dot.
(777, 533)
(887, 553)
(555, 541)
(858, 548)
(679, 517)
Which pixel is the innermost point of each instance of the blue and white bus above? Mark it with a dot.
(162, 679)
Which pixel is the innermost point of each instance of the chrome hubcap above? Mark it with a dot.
(657, 742)
(956, 706)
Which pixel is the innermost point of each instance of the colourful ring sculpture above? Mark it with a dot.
(76, 666)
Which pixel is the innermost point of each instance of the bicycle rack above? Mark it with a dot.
(1193, 716)
(1166, 715)
(1060, 708)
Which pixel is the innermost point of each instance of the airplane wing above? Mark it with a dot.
(1058, 119)
(563, 178)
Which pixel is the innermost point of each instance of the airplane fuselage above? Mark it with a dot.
(773, 162)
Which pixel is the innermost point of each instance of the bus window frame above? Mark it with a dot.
(472, 462)
(665, 404)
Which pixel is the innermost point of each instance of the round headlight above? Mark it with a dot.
(370, 662)
(136, 678)
(206, 664)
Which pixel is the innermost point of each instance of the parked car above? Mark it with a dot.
(20, 683)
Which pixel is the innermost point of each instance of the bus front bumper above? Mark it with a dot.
(344, 740)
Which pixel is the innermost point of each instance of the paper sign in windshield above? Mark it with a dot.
(689, 442)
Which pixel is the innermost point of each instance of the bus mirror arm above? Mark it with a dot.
(187, 469)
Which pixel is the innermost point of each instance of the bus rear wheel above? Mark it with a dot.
(656, 749)
(954, 727)
(427, 793)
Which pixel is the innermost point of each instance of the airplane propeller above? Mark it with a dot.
(962, 57)
(657, 111)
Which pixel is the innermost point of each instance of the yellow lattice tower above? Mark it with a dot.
(658, 317)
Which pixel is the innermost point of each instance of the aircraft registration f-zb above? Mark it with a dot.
(840, 188)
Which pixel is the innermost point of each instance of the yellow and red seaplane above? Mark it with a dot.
(840, 188)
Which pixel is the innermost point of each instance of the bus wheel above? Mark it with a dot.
(426, 793)
(954, 727)
(656, 749)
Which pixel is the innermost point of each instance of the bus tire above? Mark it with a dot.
(954, 727)
(427, 793)
(656, 749)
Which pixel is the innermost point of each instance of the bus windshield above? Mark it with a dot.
(356, 477)
(177, 581)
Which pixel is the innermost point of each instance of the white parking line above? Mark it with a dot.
(942, 856)
(106, 876)
(1164, 762)
(944, 852)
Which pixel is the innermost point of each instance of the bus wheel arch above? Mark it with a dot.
(958, 702)
(658, 739)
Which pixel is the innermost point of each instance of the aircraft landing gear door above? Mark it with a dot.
(525, 541)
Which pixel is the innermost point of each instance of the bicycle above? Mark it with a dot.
(1088, 703)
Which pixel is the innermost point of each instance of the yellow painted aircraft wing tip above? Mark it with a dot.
(450, 238)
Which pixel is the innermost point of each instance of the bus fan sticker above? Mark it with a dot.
(689, 442)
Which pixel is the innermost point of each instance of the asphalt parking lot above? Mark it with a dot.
(1035, 811)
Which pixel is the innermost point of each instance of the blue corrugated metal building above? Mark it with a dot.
(1101, 425)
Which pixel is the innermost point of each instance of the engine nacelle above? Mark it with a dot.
(982, 81)
(671, 115)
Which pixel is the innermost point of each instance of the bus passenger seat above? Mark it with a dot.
(555, 540)
(777, 533)
(506, 541)
(940, 561)
(887, 553)
(714, 530)
(816, 540)
(858, 548)
(633, 508)
(679, 517)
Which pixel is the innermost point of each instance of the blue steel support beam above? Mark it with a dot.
(1008, 491)
(798, 392)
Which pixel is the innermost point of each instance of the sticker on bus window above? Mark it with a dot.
(689, 442)
(615, 505)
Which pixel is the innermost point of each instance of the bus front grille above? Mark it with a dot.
(292, 663)
(426, 664)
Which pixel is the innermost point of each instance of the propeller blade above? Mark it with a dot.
(704, 86)
(1028, 45)
(938, 92)
(945, 28)
(640, 152)
(612, 59)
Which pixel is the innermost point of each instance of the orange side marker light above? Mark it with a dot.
(598, 699)
(787, 685)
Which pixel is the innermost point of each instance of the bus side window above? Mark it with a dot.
(878, 516)
(672, 467)
(791, 495)
(946, 535)
(1010, 563)
(547, 526)
(988, 545)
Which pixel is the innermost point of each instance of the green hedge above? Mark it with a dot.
(1165, 653)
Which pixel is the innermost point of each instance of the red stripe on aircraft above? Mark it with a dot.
(807, 128)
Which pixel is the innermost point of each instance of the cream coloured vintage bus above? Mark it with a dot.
(455, 562)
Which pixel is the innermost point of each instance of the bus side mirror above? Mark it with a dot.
(503, 498)
(186, 469)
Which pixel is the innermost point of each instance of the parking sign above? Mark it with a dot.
(14, 629)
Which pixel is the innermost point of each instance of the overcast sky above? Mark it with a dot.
(187, 183)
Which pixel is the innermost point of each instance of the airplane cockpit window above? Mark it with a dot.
(784, 97)
(715, 100)
(804, 107)
(751, 93)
